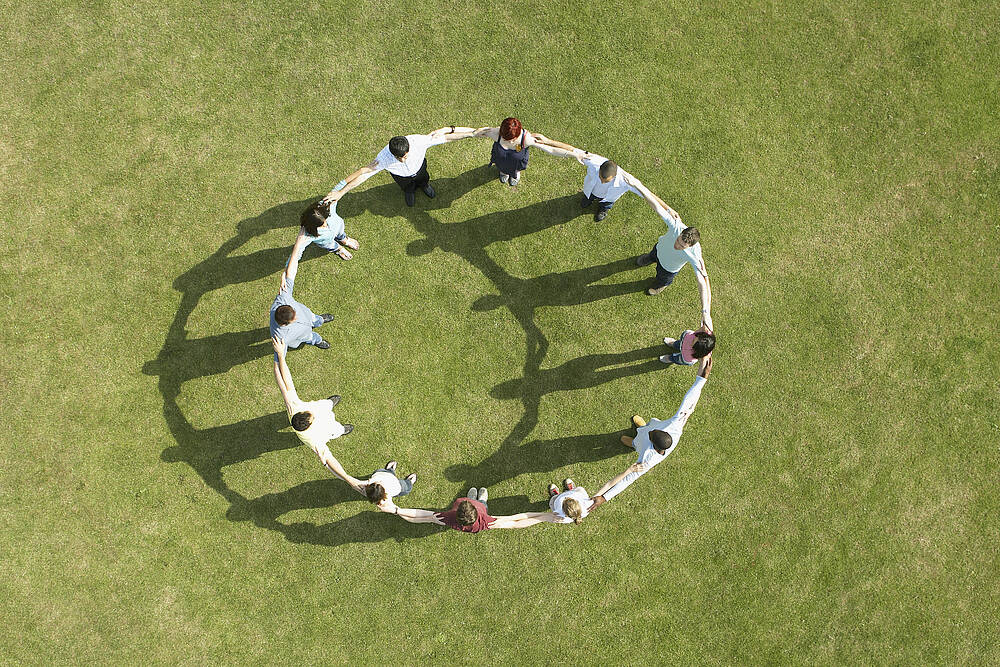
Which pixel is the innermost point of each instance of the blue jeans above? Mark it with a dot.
(316, 338)
(601, 204)
(663, 277)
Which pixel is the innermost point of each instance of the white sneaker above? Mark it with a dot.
(483, 494)
(666, 359)
(515, 181)
(504, 178)
(668, 340)
(472, 493)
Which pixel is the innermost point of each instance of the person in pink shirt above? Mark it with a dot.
(689, 347)
(468, 514)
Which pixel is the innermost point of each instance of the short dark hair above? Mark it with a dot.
(284, 314)
(690, 235)
(510, 128)
(399, 146)
(661, 441)
(302, 420)
(466, 513)
(375, 493)
(608, 169)
(704, 343)
(314, 217)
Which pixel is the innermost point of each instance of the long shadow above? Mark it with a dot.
(209, 450)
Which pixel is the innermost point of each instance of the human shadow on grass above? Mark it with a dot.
(523, 297)
(209, 450)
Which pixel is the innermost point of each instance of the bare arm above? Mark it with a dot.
(351, 182)
(657, 204)
(333, 465)
(705, 291)
(488, 133)
(408, 514)
(453, 133)
(543, 142)
(282, 375)
(522, 520)
(292, 267)
(635, 468)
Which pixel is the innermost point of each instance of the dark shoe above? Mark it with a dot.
(653, 291)
(348, 428)
(600, 216)
(391, 466)
(410, 198)
(585, 202)
(429, 191)
(323, 345)
(335, 399)
(643, 260)
(327, 317)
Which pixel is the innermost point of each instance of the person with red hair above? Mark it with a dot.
(510, 148)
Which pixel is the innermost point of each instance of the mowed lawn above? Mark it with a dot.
(833, 498)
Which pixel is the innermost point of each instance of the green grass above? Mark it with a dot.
(833, 499)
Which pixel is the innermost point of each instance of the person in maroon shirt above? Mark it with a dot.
(468, 514)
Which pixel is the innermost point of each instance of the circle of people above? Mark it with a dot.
(292, 324)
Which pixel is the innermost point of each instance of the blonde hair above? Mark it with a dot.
(572, 509)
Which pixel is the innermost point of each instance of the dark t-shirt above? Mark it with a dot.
(482, 522)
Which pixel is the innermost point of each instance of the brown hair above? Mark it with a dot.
(466, 513)
(510, 128)
(314, 217)
(284, 314)
(302, 420)
(375, 493)
(690, 236)
(572, 509)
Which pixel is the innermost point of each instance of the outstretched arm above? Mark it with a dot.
(282, 375)
(351, 182)
(705, 291)
(522, 520)
(488, 133)
(452, 133)
(333, 465)
(635, 470)
(544, 142)
(408, 514)
(292, 266)
(657, 204)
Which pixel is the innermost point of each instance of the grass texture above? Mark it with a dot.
(833, 499)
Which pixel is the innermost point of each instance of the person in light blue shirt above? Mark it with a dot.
(291, 321)
(321, 225)
(656, 440)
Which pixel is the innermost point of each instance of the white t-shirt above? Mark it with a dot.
(593, 186)
(324, 427)
(387, 481)
(419, 143)
(579, 494)
(648, 456)
(670, 258)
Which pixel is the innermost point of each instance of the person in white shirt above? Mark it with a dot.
(571, 506)
(656, 440)
(384, 484)
(313, 421)
(405, 159)
(605, 182)
(679, 246)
